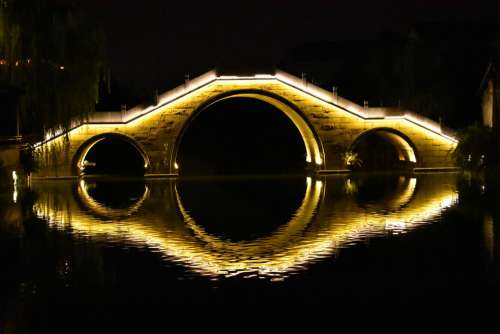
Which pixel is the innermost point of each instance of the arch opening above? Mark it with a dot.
(246, 133)
(111, 155)
(382, 150)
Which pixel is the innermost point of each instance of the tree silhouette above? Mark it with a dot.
(55, 55)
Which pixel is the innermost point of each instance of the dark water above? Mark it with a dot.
(103, 248)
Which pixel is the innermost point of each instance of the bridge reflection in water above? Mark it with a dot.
(335, 212)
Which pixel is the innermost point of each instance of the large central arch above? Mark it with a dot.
(312, 143)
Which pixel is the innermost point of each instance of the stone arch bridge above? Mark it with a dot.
(329, 125)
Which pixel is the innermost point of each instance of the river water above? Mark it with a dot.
(354, 239)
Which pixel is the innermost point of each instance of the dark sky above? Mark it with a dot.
(153, 43)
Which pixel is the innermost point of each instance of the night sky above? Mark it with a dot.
(153, 43)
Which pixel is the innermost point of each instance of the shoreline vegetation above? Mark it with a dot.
(477, 150)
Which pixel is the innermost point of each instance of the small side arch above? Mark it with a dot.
(404, 147)
(77, 164)
(313, 145)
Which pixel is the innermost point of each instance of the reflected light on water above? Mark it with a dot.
(326, 220)
(489, 235)
(104, 210)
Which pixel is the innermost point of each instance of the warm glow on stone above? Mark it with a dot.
(328, 124)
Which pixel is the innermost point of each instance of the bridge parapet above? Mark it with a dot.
(106, 117)
(360, 111)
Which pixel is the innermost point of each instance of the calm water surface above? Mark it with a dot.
(130, 243)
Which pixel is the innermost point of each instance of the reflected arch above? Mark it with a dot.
(102, 210)
(393, 200)
(405, 150)
(262, 247)
(79, 158)
(313, 146)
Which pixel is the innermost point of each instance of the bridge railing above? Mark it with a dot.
(368, 113)
(169, 96)
(301, 84)
(106, 117)
(319, 92)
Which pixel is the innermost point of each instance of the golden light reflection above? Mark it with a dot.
(104, 211)
(321, 225)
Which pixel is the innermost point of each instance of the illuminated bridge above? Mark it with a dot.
(330, 126)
